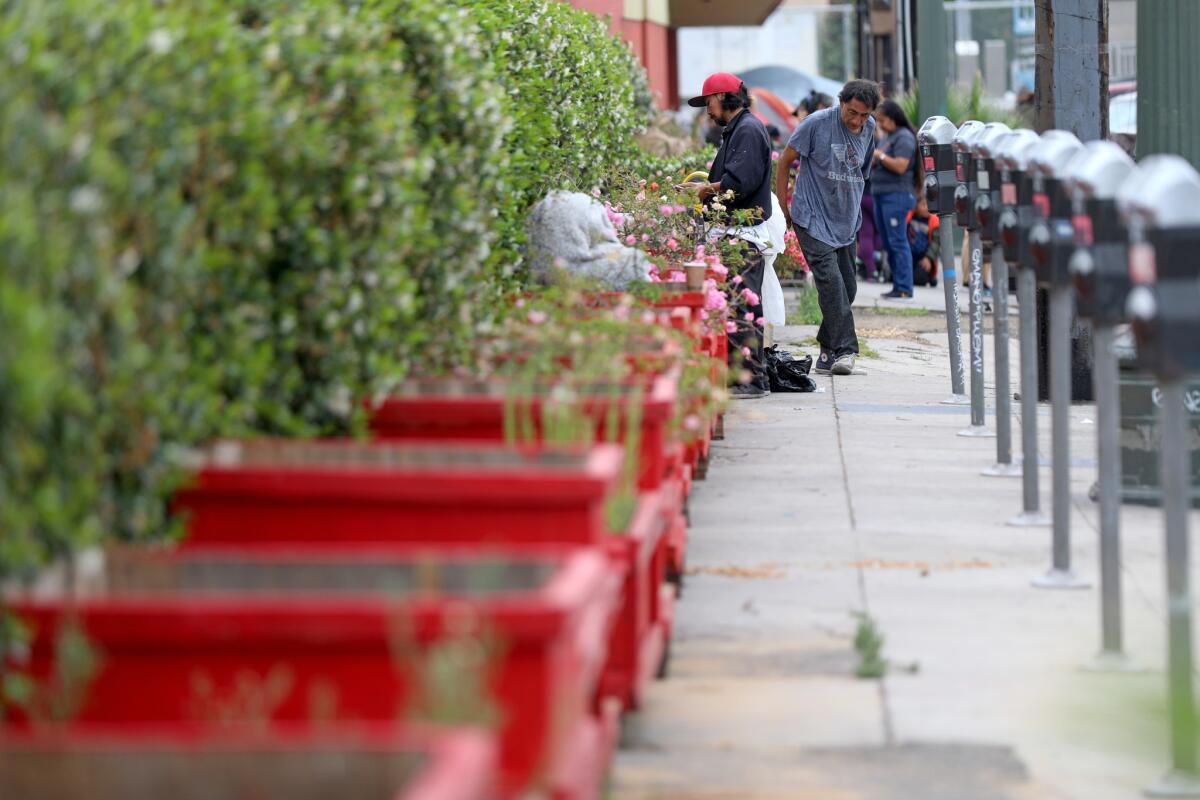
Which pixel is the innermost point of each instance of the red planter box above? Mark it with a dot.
(274, 635)
(638, 645)
(674, 493)
(343, 490)
(185, 762)
(457, 410)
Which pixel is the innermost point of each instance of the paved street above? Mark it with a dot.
(861, 499)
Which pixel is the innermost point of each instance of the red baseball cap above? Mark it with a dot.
(715, 84)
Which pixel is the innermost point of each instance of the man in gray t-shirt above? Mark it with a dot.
(834, 150)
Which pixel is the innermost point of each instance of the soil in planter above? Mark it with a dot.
(130, 572)
(351, 454)
(204, 774)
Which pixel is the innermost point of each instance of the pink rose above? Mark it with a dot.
(730, 326)
(630, 239)
(672, 244)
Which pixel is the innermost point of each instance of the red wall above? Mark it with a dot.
(653, 43)
(655, 47)
(614, 8)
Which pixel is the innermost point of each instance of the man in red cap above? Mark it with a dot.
(741, 177)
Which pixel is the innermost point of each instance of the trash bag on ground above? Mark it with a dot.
(788, 374)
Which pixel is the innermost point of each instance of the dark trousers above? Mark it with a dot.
(833, 272)
(749, 333)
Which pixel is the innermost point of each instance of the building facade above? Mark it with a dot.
(651, 28)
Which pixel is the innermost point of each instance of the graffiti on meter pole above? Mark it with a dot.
(1191, 400)
(977, 319)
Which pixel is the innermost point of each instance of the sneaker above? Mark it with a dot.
(844, 365)
(896, 295)
(748, 391)
(824, 365)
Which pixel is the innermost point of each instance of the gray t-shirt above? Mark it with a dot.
(902, 144)
(834, 166)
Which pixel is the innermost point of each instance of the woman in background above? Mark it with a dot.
(894, 181)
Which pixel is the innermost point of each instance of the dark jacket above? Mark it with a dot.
(743, 164)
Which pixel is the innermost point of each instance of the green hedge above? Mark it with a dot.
(577, 97)
(220, 218)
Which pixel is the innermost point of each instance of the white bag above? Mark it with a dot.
(774, 312)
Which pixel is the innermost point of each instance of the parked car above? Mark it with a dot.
(1122, 114)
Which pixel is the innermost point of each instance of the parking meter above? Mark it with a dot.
(987, 179)
(1048, 164)
(1016, 215)
(936, 139)
(965, 191)
(1099, 267)
(1051, 236)
(1160, 209)
(1016, 194)
(965, 187)
(986, 147)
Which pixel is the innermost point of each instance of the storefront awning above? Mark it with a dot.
(696, 13)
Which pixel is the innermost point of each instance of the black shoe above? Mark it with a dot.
(748, 391)
(896, 295)
(824, 363)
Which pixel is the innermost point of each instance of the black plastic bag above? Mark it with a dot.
(788, 374)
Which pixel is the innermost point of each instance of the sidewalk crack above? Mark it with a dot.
(889, 733)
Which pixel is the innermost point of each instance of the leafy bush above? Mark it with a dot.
(963, 104)
(219, 218)
(577, 97)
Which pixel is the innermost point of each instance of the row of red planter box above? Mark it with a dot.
(326, 589)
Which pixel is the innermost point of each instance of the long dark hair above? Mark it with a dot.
(732, 101)
(893, 111)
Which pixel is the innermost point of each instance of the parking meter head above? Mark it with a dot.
(1053, 154)
(1164, 304)
(1098, 171)
(936, 139)
(985, 143)
(966, 188)
(1161, 193)
(1012, 159)
(1014, 151)
(966, 134)
(987, 179)
(937, 130)
(1100, 265)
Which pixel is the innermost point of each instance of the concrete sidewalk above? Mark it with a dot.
(861, 498)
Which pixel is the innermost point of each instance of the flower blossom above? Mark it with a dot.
(537, 317)
(714, 300)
